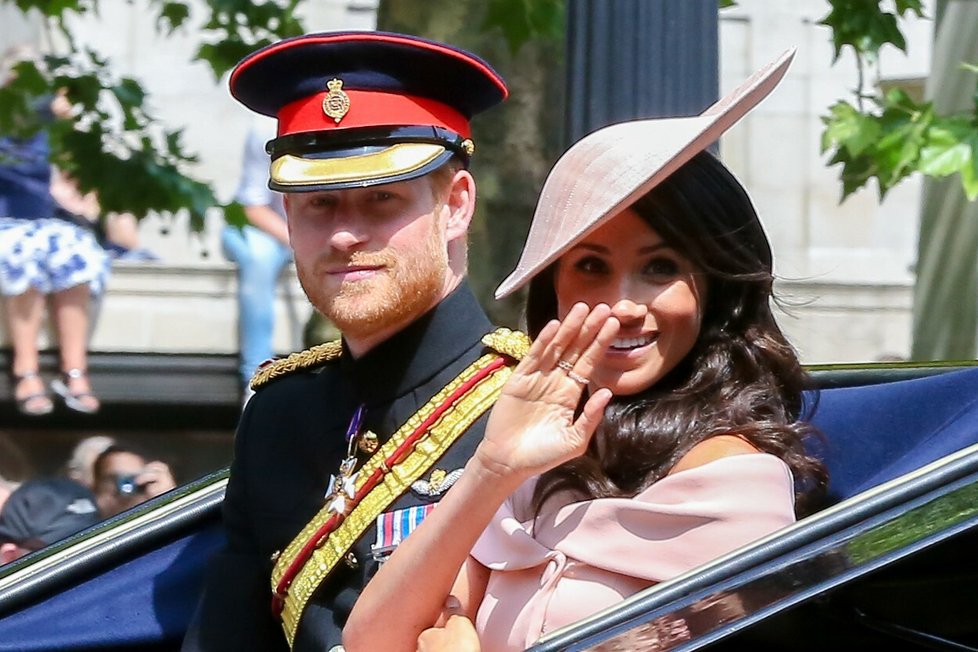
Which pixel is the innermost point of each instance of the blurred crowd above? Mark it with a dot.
(102, 477)
(57, 249)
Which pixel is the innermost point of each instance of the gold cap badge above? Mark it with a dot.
(336, 104)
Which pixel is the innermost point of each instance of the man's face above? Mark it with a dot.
(372, 259)
(116, 465)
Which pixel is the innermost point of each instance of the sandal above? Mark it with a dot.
(35, 404)
(75, 400)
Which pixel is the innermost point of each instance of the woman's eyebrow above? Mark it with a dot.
(590, 247)
(587, 246)
(653, 248)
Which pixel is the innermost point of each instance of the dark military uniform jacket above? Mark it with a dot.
(291, 440)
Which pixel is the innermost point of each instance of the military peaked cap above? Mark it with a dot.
(356, 109)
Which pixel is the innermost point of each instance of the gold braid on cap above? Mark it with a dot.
(513, 344)
(311, 357)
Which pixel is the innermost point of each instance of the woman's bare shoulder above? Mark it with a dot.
(712, 449)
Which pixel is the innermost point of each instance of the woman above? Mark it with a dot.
(652, 426)
(44, 257)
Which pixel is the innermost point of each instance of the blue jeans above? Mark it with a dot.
(260, 259)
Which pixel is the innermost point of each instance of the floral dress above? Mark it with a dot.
(38, 249)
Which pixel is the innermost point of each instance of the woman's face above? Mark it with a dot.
(656, 293)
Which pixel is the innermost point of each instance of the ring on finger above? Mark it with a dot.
(569, 369)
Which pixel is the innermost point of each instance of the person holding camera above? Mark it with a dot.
(126, 476)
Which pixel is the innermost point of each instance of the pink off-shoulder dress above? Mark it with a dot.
(581, 557)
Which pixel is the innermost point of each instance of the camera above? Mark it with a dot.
(126, 485)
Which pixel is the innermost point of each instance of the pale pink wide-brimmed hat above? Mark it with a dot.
(609, 169)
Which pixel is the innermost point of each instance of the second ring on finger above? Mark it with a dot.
(569, 370)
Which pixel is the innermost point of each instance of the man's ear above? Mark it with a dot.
(460, 205)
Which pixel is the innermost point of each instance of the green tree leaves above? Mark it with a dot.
(865, 26)
(137, 165)
(889, 136)
(111, 143)
(238, 27)
(19, 98)
(523, 20)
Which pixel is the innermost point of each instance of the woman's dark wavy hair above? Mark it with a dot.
(742, 376)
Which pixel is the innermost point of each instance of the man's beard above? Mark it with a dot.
(402, 291)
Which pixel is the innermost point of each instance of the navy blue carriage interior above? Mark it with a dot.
(877, 432)
(142, 596)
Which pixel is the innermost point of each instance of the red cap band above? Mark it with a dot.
(370, 109)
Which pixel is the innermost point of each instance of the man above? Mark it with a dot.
(261, 251)
(346, 446)
(41, 512)
(124, 476)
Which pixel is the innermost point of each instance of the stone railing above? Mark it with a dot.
(165, 308)
(163, 353)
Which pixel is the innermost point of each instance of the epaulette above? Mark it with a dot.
(307, 359)
(513, 344)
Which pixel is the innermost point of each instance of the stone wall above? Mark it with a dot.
(846, 269)
(187, 309)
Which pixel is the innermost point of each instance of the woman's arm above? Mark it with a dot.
(468, 591)
(408, 593)
(264, 218)
(531, 428)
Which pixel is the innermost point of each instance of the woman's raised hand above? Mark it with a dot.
(532, 427)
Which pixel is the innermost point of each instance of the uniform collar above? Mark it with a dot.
(416, 354)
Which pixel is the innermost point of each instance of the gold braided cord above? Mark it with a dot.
(292, 550)
(311, 357)
(426, 452)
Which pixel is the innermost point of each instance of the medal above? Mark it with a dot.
(393, 527)
(368, 442)
(342, 487)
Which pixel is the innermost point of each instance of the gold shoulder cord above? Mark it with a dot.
(428, 450)
(311, 357)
